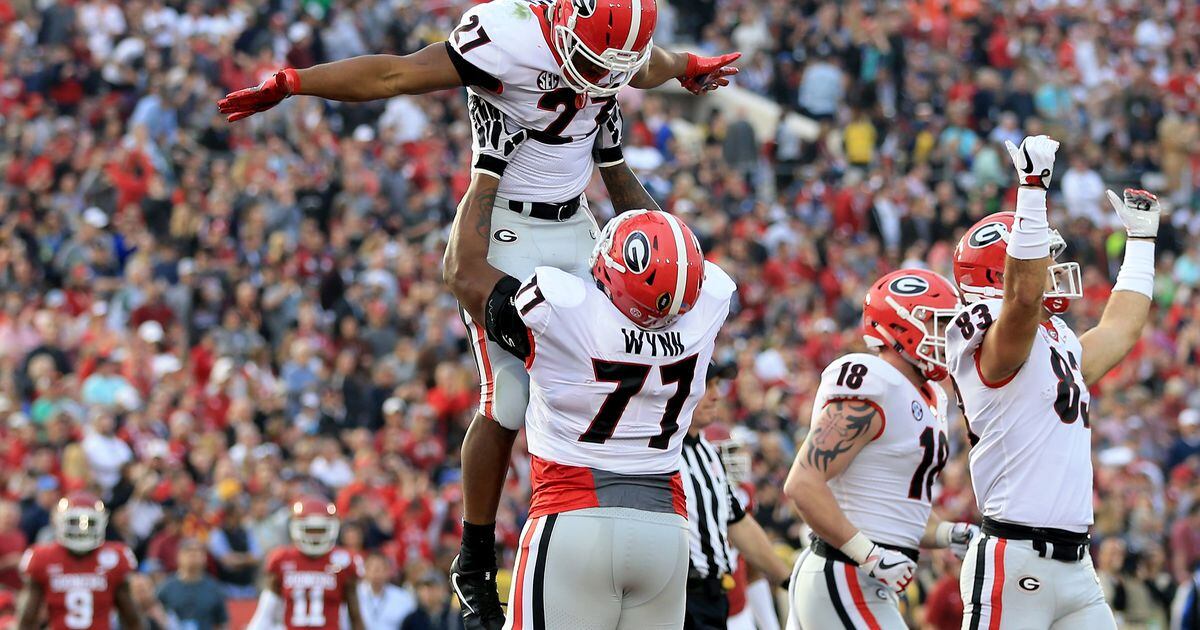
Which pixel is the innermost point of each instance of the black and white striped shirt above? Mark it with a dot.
(711, 509)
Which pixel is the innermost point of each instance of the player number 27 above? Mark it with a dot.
(630, 377)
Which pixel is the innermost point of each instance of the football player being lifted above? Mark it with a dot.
(864, 477)
(1022, 377)
(79, 578)
(553, 68)
(616, 369)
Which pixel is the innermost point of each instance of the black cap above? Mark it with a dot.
(723, 371)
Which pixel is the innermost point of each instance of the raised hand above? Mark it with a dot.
(1139, 212)
(705, 74)
(1034, 160)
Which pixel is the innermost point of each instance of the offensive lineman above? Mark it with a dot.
(79, 577)
(615, 370)
(553, 67)
(1022, 378)
(309, 580)
(864, 477)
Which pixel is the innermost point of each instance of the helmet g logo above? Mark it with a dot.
(909, 285)
(584, 8)
(637, 252)
(987, 234)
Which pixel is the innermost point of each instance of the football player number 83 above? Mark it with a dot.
(630, 377)
(79, 608)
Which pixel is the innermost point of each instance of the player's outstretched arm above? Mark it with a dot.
(29, 606)
(1008, 341)
(625, 190)
(269, 610)
(1129, 306)
(356, 79)
(695, 73)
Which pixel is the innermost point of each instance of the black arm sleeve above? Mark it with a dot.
(736, 512)
(504, 325)
(470, 74)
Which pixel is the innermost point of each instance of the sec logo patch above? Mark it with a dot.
(505, 235)
(547, 81)
(1029, 583)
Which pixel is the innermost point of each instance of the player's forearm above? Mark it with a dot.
(372, 77)
(1111, 340)
(810, 494)
(625, 190)
(750, 539)
(466, 270)
(662, 66)
(28, 607)
(929, 538)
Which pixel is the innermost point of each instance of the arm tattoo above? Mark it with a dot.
(484, 201)
(625, 191)
(843, 422)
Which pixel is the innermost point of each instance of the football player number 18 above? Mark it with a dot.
(308, 607)
(79, 608)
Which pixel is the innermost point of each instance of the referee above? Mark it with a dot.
(716, 522)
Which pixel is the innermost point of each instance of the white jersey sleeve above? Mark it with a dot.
(856, 376)
(966, 332)
(474, 42)
(548, 289)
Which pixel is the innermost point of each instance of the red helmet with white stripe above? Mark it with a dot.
(314, 526)
(79, 522)
(650, 265)
(602, 40)
(979, 264)
(909, 310)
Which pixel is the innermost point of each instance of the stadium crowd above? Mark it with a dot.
(202, 320)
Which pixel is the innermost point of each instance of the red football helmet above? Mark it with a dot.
(79, 522)
(979, 264)
(650, 265)
(314, 525)
(611, 35)
(909, 310)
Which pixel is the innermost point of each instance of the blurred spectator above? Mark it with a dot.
(236, 553)
(1083, 191)
(12, 545)
(383, 605)
(191, 598)
(433, 605)
(141, 589)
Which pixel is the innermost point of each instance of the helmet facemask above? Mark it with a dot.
(315, 534)
(929, 354)
(80, 529)
(620, 64)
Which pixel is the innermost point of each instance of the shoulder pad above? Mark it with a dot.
(966, 329)
(717, 283)
(859, 375)
(487, 35)
(561, 289)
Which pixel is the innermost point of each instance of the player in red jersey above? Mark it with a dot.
(79, 577)
(313, 577)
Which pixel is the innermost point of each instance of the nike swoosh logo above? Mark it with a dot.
(889, 566)
(1028, 162)
(458, 591)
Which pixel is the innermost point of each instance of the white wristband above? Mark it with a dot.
(1030, 238)
(858, 548)
(941, 535)
(1137, 270)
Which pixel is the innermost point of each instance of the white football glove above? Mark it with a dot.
(1139, 212)
(892, 568)
(492, 145)
(956, 537)
(609, 134)
(1034, 160)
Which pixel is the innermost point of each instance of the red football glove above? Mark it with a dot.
(705, 74)
(261, 97)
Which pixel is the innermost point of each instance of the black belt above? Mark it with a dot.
(545, 211)
(826, 550)
(1056, 544)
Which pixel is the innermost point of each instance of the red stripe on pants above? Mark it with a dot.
(489, 383)
(997, 584)
(518, 605)
(856, 593)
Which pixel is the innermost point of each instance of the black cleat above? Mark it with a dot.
(477, 594)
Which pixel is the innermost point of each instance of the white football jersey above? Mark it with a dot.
(510, 41)
(1031, 461)
(603, 393)
(886, 491)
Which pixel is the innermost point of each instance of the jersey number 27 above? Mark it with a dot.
(630, 377)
